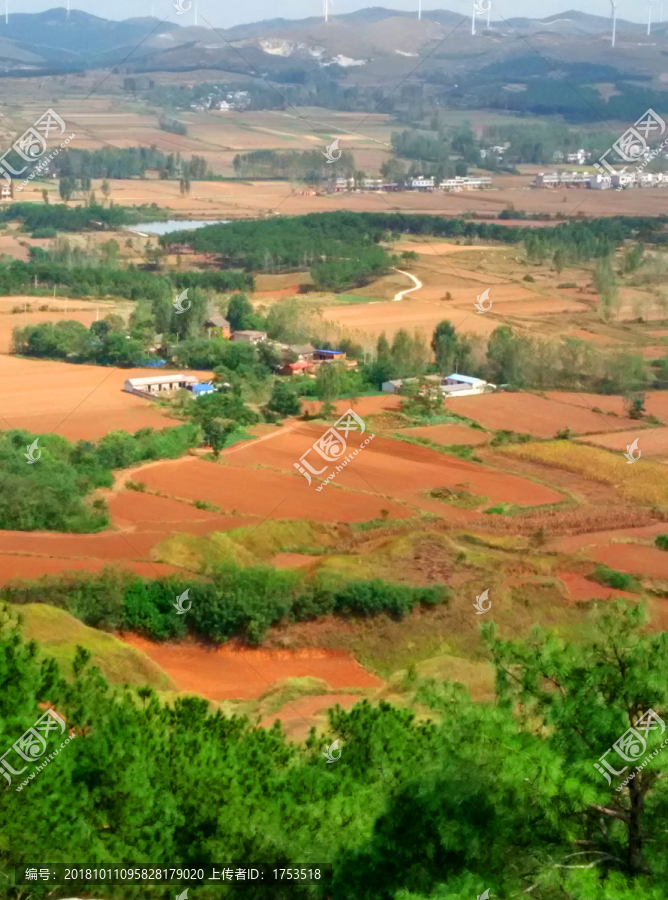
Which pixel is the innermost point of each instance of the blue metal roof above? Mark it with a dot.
(204, 388)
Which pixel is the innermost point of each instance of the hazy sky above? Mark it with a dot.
(227, 14)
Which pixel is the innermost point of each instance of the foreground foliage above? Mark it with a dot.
(502, 797)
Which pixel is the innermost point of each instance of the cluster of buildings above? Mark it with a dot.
(232, 100)
(600, 182)
(579, 157)
(453, 386)
(412, 183)
(295, 359)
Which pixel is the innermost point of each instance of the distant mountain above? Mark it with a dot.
(374, 43)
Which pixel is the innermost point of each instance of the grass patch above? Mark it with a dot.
(290, 690)
(640, 484)
(58, 634)
(462, 451)
(204, 504)
(503, 509)
(248, 545)
(461, 498)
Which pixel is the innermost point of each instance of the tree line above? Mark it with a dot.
(232, 600)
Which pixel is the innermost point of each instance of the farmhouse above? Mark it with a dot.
(218, 326)
(152, 385)
(250, 336)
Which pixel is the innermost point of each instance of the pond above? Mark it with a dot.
(172, 225)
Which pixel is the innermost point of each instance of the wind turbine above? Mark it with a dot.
(473, 20)
(649, 17)
(6, 12)
(488, 11)
(614, 20)
(326, 11)
(196, 12)
(419, 9)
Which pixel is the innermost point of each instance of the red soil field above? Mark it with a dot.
(228, 672)
(261, 492)
(449, 434)
(651, 441)
(385, 467)
(78, 402)
(12, 567)
(607, 403)
(365, 406)
(575, 542)
(529, 413)
(580, 589)
(634, 558)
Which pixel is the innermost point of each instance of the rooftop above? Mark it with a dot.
(465, 379)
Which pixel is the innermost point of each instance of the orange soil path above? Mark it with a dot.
(227, 672)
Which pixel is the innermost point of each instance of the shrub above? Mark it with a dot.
(621, 581)
(567, 284)
(528, 278)
(661, 541)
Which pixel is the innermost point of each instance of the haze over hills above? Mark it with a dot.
(365, 46)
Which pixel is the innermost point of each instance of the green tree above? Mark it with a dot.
(240, 313)
(217, 432)
(284, 401)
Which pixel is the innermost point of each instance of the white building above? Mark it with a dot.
(464, 385)
(421, 183)
(453, 386)
(152, 385)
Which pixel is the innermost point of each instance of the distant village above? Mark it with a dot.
(416, 183)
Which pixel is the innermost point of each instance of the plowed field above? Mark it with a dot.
(229, 672)
(532, 414)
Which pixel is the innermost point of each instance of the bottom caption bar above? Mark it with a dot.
(62, 874)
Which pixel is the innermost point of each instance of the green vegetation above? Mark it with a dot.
(126, 162)
(175, 126)
(661, 541)
(79, 218)
(457, 497)
(50, 494)
(621, 581)
(295, 165)
(499, 796)
(233, 601)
